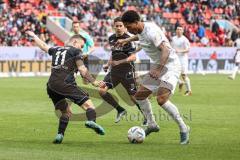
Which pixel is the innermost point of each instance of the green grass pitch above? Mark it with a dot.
(28, 125)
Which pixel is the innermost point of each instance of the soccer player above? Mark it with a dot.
(237, 64)
(88, 46)
(182, 45)
(121, 69)
(163, 74)
(62, 85)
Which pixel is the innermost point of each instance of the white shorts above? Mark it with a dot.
(168, 80)
(184, 63)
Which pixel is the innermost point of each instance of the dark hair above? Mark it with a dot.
(75, 22)
(117, 19)
(77, 36)
(130, 17)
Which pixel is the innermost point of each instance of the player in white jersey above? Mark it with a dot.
(237, 64)
(182, 45)
(163, 74)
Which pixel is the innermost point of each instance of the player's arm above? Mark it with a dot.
(84, 72)
(122, 42)
(42, 45)
(129, 59)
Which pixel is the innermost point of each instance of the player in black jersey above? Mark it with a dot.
(121, 69)
(61, 84)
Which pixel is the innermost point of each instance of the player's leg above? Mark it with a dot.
(81, 98)
(91, 117)
(163, 94)
(60, 104)
(234, 72)
(188, 85)
(184, 70)
(180, 84)
(111, 82)
(130, 85)
(141, 97)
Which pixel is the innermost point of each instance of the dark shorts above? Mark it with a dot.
(71, 92)
(127, 79)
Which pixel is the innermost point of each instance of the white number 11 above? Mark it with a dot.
(63, 54)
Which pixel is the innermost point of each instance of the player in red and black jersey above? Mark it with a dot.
(61, 84)
(121, 68)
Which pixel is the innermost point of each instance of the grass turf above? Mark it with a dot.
(28, 125)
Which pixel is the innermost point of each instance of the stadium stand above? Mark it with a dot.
(203, 20)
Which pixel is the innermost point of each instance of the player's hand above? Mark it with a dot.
(100, 84)
(121, 43)
(155, 73)
(105, 67)
(30, 33)
(115, 63)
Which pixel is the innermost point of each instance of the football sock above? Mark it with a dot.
(235, 69)
(63, 122)
(188, 85)
(91, 114)
(110, 100)
(172, 110)
(146, 108)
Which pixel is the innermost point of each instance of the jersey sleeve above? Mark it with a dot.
(52, 50)
(156, 37)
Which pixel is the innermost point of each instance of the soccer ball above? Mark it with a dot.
(136, 135)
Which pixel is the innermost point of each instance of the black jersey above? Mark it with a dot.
(121, 53)
(63, 65)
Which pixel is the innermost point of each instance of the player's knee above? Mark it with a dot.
(162, 99)
(139, 97)
(102, 91)
(66, 114)
(88, 105)
(184, 76)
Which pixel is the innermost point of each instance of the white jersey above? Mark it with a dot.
(150, 38)
(180, 43)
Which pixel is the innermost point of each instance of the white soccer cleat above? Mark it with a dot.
(231, 77)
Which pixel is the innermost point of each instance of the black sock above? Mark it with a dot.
(110, 100)
(91, 114)
(63, 122)
(139, 107)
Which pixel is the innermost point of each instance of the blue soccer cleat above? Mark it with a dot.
(58, 139)
(96, 127)
(184, 136)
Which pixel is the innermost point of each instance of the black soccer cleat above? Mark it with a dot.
(151, 129)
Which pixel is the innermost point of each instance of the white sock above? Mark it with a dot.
(188, 85)
(172, 110)
(235, 69)
(146, 108)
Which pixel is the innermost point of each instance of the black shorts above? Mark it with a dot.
(127, 79)
(71, 92)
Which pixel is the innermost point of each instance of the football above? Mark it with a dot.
(136, 135)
